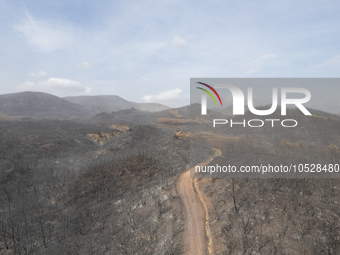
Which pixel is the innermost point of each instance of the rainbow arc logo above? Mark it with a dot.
(209, 93)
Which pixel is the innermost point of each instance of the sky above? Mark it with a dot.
(147, 50)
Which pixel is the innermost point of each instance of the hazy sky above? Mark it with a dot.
(147, 51)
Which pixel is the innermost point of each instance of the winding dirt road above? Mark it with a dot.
(194, 236)
(197, 237)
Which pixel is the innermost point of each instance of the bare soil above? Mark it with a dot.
(194, 237)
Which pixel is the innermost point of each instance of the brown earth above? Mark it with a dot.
(102, 137)
(195, 237)
(182, 135)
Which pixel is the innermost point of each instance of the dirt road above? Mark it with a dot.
(195, 236)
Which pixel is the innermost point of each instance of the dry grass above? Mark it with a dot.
(4, 117)
(170, 121)
(334, 149)
(175, 113)
(324, 118)
(120, 127)
(102, 137)
(286, 144)
(182, 135)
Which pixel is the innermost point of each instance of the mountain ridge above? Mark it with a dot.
(109, 103)
(40, 105)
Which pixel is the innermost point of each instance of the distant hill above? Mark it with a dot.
(127, 116)
(151, 107)
(134, 116)
(321, 128)
(228, 110)
(39, 105)
(192, 111)
(98, 104)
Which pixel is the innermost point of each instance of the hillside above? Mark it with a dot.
(110, 103)
(275, 215)
(320, 128)
(175, 118)
(39, 105)
(187, 112)
(64, 192)
(228, 110)
(127, 116)
(107, 185)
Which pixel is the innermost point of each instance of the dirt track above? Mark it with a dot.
(194, 236)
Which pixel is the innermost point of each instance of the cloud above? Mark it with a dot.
(164, 96)
(256, 65)
(46, 36)
(39, 74)
(331, 62)
(269, 56)
(56, 86)
(179, 42)
(26, 84)
(170, 95)
(173, 98)
(84, 65)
